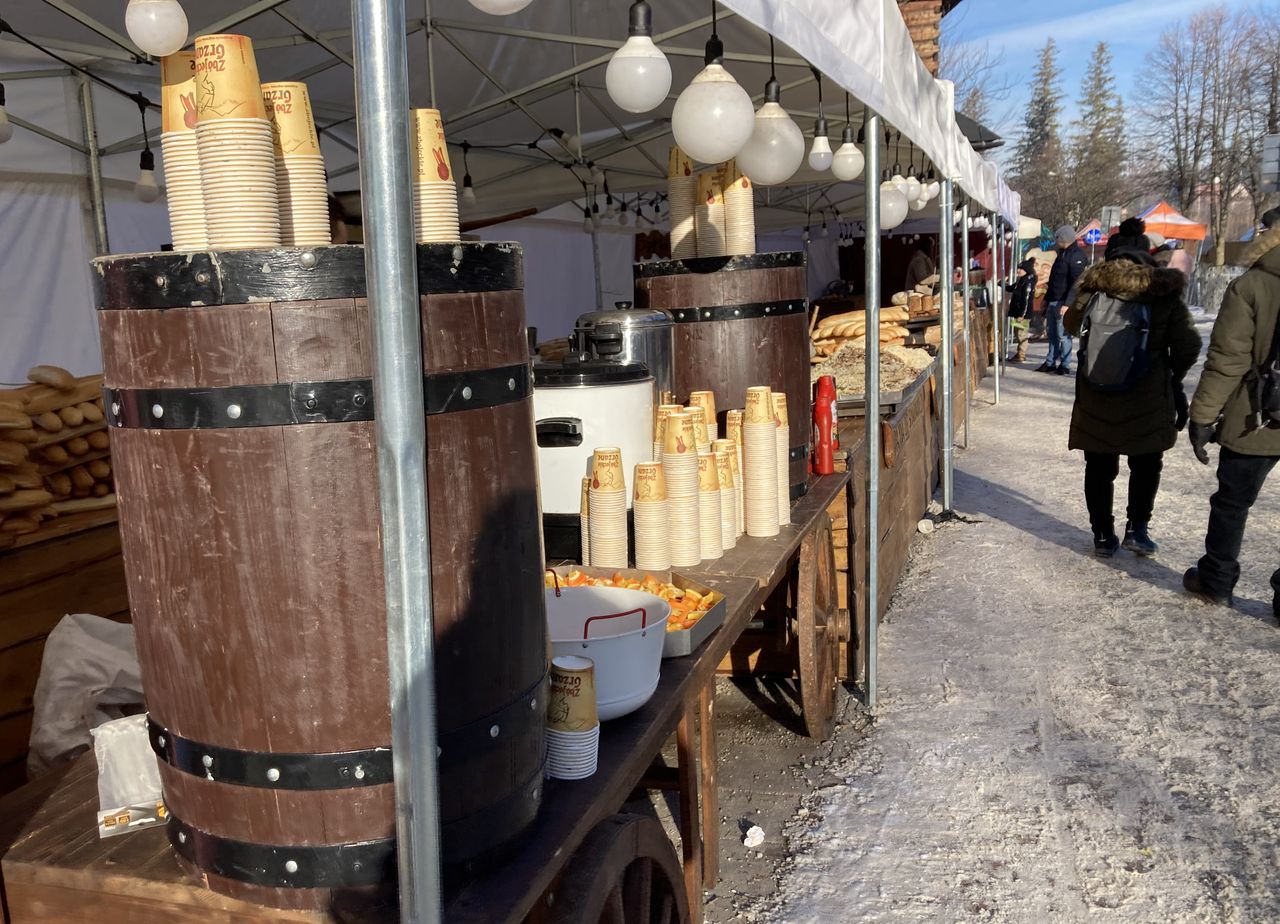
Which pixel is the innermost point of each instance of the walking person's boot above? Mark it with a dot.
(1137, 540)
(1105, 542)
(1193, 584)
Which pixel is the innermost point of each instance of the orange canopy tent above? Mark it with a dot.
(1163, 218)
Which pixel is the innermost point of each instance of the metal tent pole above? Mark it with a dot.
(965, 323)
(946, 263)
(998, 333)
(382, 102)
(871, 184)
(98, 205)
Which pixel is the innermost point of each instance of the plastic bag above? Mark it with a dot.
(128, 777)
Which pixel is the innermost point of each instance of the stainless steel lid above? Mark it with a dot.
(626, 317)
(579, 369)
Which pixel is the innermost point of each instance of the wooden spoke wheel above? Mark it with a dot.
(625, 872)
(817, 628)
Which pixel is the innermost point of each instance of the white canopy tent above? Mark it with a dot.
(502, 83)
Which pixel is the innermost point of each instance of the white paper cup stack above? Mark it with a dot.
(573, 723)
(708, 214)
(728, 499)
(183, 193)
(235, 145)
(584, 521)
(680, 469)
(607, 501)
(760, 454)
(682, 194)
(301, 187)
(649, 508)
(739, 214)
(731, 449)
(435, 197)
(784, 457)
(709, 532)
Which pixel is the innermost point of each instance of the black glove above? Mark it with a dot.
(1180, 405)
(1201, 436)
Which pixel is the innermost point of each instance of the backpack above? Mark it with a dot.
(1265, 385)
(1023, 294)
(1113, 343)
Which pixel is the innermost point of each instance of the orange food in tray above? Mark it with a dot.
(687, 606)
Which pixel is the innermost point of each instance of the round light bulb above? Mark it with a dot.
(775, 149)
(918, 205)
(468, 194)
(6, 127)
(587, 224)
(913, 189)
(158, 27)
(805, 237)
(624, 218)
(713, 117)
(597, 175)
(848, 161)
(500, 7)
(146, 189)
(935, 189)
(820, 155)
(893, 206)
(638, 77)
(900, 182)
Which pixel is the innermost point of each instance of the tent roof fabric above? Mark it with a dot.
(1163, 218)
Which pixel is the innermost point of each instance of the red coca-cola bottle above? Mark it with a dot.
(826, 439)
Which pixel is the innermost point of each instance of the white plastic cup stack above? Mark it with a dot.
(728, 498)
(435, 197)
(709, 530)
(649, 509)
(682, 194)
(584, 521)
(607, 501)
(760, 453)
(236, 147)
(183, 192)
(784, 457)
(573, 723)
(733, 430)
(301, 185)
(680, 469)
(739, 213)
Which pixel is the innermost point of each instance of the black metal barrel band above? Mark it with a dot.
(740, 312)
(799, 452)
(290, 403)
(524, 714)
(331, 866)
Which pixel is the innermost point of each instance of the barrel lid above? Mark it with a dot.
(702, 265)
(583, 369)
(626, 318)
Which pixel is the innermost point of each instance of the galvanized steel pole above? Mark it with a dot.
(871, 183)
(97, 204)
(998, 333)
(382, 106)
(946, 263)
(965, 323)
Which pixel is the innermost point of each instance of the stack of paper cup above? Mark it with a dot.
(700, 431)
(682, 194)
(730, 448)
(573, 722)
(649, 508)
(707, 401)
(708, 215)
(584, 521)
(733, 428)
(680, 468)
(607, 501)
(435, 198)
(728, 500)
(181, 159)
(784, 456)
(739, 213)
(660, 429)
(234, 140)
(301, 186)
(709, 541)
(760, 453)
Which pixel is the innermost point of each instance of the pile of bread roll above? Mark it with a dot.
(54, 451)
(833, 332)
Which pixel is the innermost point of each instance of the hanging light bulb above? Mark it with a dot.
(820, 155)
(806, 236)
(587, 224)
(848, 161)
(638, 77)
(595, 215)
(825, 232)
(597, 175)
(624, 217)
(713, 116)
(6, 127)
(468, 190)
(158, 27)
(893, 206)
(146, 189)
(775, 149)
(917, 205)
(500, 7)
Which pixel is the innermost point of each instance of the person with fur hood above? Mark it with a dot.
(1142, 422)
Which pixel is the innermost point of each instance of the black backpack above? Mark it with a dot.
(1265, 386)
(1113, 343)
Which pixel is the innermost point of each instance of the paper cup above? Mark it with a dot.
(572, 706)
(430, 151)
(178, 92)
(759, 407)
(650, 483)
(701, 434)
(780, 408)
(288, 106)
(707, 401)
(227, 84)
(679, 163)
(680, 437)
(708, 472)
(606, 470)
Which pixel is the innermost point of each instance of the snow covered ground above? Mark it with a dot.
(1060, 738)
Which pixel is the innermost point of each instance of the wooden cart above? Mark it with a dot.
(583, 862)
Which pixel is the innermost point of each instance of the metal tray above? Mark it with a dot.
(676, 644)
(856, 405)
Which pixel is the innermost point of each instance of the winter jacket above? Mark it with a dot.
(1065, 273)
(1023, 290)
(1241, 341)
(1141, 420)
(918, 270)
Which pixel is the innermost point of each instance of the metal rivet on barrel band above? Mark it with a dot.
(736, 312)
(358, 400)
(202, 278)
(768, 308)
(493, 732)
(359, 774)
(312, 403)
(511, 384)
(160, 740)
(182, 836)
(162, 281)
(290, 866)
(157, 410)
(533, 703)
(466, 392)
(207, 760)
(308, 259)
(115, 407)
(273, 774)
(233, 411)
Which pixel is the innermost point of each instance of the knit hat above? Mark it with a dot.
(1064, 236)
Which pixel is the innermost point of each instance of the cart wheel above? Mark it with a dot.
(625, 872)
(817, 620)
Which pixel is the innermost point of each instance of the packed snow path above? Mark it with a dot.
(1060, 738)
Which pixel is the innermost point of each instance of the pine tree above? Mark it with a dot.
(1098, 153)
(1037, 160)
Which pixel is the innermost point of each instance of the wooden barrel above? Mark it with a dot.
(740, 321)
(239, 393)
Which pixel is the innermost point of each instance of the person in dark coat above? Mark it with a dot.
(1023, 290)
(1142, 422)
(1131, 235)
(1066, 272)
(1223, 412)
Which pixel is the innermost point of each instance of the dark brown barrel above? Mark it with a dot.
(740, 321)
(242, 414)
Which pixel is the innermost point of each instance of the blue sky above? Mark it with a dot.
(1019, 31)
